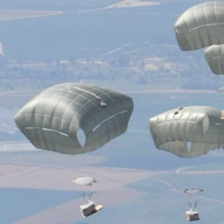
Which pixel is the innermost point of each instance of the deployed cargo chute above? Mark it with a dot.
(89, 207)
(85, 181)
(192, 214)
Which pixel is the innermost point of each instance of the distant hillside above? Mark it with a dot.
(119, 43)
(6, 15)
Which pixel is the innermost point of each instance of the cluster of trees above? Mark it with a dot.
(191, 71)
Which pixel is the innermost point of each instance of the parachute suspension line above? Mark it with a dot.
(91, 192)
(85, 197)
(90, 195)
(190, 206)
(192, 203)
(196, 204)
(192, 193)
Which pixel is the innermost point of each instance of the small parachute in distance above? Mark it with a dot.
(214, 56)
(220, 89)
(192, 191)
(188, 131)
(53, 119)
(192, 214)
(201, 26)
(85, 181)
(89, 207)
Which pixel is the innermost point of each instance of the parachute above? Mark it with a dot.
(188, 131)
(214, 56)
(220, 89)
(85, 181)
(54, 119)
(192, 214)
(192, 191)
(201, 26)
(89, 207)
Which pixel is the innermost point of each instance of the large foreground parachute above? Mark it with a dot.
(214, 56)
(188, 131)
(201, 26)
(53, 119)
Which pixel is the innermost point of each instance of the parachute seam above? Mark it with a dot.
(221, 59)
(48, 129)
(196, 31)
(108, 119)
(206, 25)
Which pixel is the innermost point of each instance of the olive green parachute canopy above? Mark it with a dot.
(53, 119)
(214, 56)
(188, 131)
(201, 26)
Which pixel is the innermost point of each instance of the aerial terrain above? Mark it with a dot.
(127, 46)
